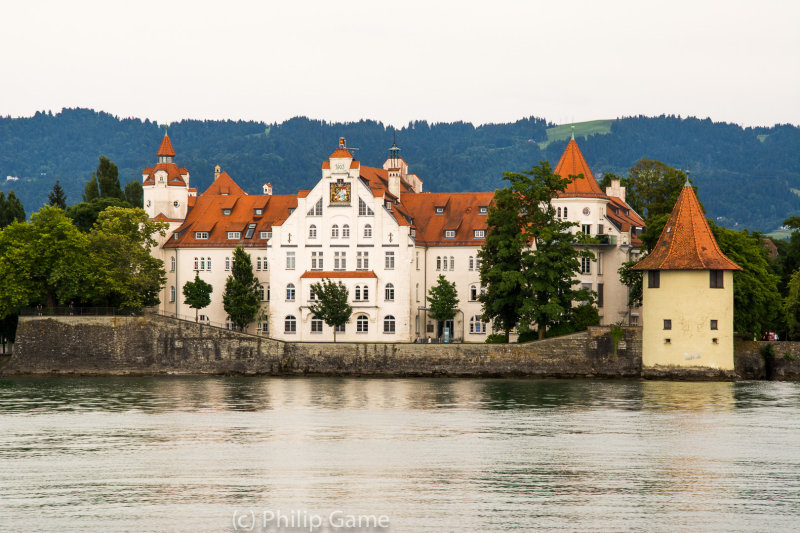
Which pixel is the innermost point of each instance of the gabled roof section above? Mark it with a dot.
(462, 215)
(224, 186)
(572, 163)
(166, 148)
(175, 175)
(341, 152)
(686, 242)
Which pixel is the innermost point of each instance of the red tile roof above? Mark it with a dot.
(572, 163)
(336, 274)
(174, 174)
(341, 152)
(461, 214)
(224, 186)
(166, 148)
(686, 242)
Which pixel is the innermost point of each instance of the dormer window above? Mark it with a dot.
(480, 233)
(201, 235)
(259, 212)
(440, 210)
(482, 210)
(389, 206)
(234, 235)
(450, 234)
(266, 235)
(226, 212)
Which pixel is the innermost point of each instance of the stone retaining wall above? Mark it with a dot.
(159, 345)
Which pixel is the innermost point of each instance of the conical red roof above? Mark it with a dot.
(572, 163)
(166, 148)
(686, 243)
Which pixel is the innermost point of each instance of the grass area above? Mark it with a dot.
(582, 129)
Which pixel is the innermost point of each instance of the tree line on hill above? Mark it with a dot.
(747, 175)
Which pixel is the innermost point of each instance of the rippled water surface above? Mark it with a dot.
(196, 454)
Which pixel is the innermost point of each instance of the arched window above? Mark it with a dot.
(202, 263)
(452, 263)
(438, 263)
(261, 293)
(267, 291)
(290, 292)
(476, 325)
(172, 264)
(316, 325)
(172, 293)
(471, 263)
(358, 293)
(473, 293)
(312, 295)
(389, 292)
(368, 231)
(227, 264)
(417, 292)
(559, 213)
(312, 231)
(196, 264)
(565, 212)
(290, 324)
(335, 231)
(444, 263)
(258, 263)
(388, 324)
(362, 325)
(346, 231)
(365, 293)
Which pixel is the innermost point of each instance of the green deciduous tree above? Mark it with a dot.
(10, 209)
(632, 279)
(84, 214)
(134, 194)
(108, 179)
(442, 300)
(331, 304)
(550, 266)
(241, 299)
(44, 260)
(57, 197)
(124, 273)
(197, 294)
(652, 188)
(501, 263)
(91, 191)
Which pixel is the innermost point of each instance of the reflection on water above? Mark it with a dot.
(179, 454)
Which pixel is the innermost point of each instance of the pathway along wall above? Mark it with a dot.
(158, 345)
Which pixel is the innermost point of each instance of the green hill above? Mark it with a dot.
(582, 130)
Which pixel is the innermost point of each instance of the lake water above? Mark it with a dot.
(227, 454)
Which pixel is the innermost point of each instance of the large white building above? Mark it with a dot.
(374, 230)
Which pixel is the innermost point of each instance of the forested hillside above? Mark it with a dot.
(746, 176)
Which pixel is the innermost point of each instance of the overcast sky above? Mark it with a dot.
(488, 61)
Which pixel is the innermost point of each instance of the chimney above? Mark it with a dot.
(217, 170)
(615, 189)
(268, 189)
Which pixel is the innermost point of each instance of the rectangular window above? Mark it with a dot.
(586, 228)
(233, 235)
(482, 210)
(716, 281)
(586, 265)
(417, 260)
(251, 228)
(480, 233)
(266, 234)
(714, 324)
(599, 229)
(316, 261)
(201, 235)
(226, 212)
(259, 212)
(450, 234)
(667, 323)
(362, 260)
(653, 279)
(440, 210)
(599, 295)
(389, 260)
(340, 328)
(227, 264)
(289, 260)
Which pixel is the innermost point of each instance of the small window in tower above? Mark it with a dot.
(667, 323)
(653, 279)
(716, 279)
(714, 325)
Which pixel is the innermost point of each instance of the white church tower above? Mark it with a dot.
(166, 187)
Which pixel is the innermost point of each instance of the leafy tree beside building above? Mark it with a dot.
(197, 294)
(241, 299)
(331, 304)
(442, 300)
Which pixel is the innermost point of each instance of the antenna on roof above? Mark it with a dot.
(165, 129)
(687, 184)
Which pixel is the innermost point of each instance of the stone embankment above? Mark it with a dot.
(152, 345)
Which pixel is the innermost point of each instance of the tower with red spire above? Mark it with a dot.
(166, 186)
